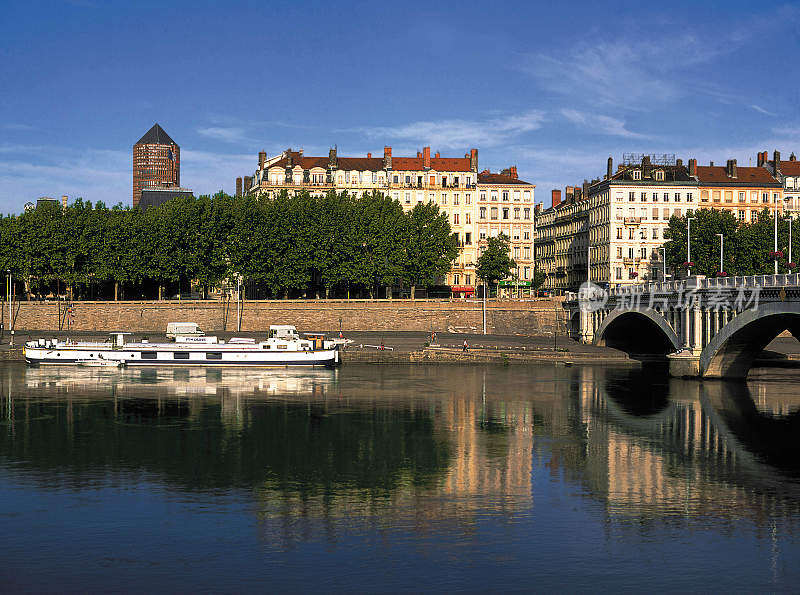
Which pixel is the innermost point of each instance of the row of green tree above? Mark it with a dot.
(289, 246)
(748, 248)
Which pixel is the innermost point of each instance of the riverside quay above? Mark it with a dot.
(711, 328)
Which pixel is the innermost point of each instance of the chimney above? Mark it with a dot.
(538, 208)
(63, 201)
(426, 157)
(693, 167)
(556, 197)
(437, 155)
(387, 157)
(248, 183)
(289, 158)
(333, 159)
(792, 157)
(473, 159)
(419, 154)
(513, 171)
(710, 164)
(734, 170)
(585, 189)
(262, 159)
(369, 155)
(645, 160)
(679, 162)
(761, 158)
(238, 186)
(776, 156)
(609, 168)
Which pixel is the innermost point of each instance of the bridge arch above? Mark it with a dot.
(637, 331)
(731, 352)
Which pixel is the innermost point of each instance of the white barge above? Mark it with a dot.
(284, 347)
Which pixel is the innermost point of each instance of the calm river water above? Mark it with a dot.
(397, 478)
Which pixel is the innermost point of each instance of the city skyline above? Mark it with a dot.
(554, 92)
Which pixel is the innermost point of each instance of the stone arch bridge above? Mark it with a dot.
(711, 328)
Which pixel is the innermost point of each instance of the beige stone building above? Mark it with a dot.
(453, 183)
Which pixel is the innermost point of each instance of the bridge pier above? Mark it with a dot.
(684, 364)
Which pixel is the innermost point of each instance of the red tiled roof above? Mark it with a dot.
(790, 168)
(744, 175)
(500, 179)
(437, 164)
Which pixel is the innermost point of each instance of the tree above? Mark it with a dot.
(706, 225)
(430, 245)
(495, 263)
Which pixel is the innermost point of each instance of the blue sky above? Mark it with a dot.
(554, 88)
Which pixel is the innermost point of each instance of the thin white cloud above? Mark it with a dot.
(448, 134)
(225, 134)
(17, 127)
(597, 123)
(761, 110)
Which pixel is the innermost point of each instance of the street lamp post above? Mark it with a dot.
(721, 247)
(775, 247)
(664, 262)
(791, 220)
(689, 244)
(8, 285)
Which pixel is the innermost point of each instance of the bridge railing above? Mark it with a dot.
(700, 282)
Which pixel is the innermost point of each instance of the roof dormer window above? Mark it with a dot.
(659, 175)
(637, 174)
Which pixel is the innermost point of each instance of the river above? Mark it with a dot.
(397, 478)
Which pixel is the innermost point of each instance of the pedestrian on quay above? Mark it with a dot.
(465, 346)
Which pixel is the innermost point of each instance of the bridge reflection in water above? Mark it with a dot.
(409, 447)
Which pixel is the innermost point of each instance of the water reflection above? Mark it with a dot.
(320, 450)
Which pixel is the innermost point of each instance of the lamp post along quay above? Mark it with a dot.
(775, 247)
(689, 245)
(721, 246)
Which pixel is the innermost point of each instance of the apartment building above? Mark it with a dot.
(788, 174)
(452, 183)
(744, 191)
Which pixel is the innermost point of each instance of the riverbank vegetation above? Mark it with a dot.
(288, 247)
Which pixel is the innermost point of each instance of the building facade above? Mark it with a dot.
(743, 191)
(156, 162)
(462, 192)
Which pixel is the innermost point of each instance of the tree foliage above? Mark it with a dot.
(748, 247)
(288, 246)
(495, 263)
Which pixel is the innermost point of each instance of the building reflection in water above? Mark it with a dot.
(411, 446)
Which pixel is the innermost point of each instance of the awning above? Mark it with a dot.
(462, 289)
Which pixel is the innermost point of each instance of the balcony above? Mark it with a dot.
(633, 220)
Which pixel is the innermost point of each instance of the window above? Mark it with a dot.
(455, 279)
(631, 196)
(468, 279)
(468, 218)
(483, 196)
(619, 273)
(516, 213)
(655, 233)
(704, 196)
(149, 355)
(505, 213)
(677, 197)
(516, 252)
(665, 214)
(630, 234)
(527, 213)
(214, 355)
(468, 198)
(482, 214)
(455, 218)
(660, 175)
(494, 213)
(408, 180)
(482, 234)
(516, 195)
(655, 213)
(741, 215)
(432, 198)
(619, 251)
(180, 355)
(742, 197)
(468, 239)
(765, 197)
(455, 198)
(526, 196)
(619, 233)
(728, 196)
(526, 272)
(526, 253)
(753, 196)
(526, 235)
(494, 195)
(637, 174)
(643, 196)
(408, 198)
(505, 195)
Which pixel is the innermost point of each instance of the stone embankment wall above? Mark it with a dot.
(533, 317)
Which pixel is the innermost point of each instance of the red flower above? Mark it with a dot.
(791, 265)
(721, 274)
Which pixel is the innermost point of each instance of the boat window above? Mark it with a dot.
(282, 346)
(149, 355)
(267, 346)
(180, 355)
(214, 355)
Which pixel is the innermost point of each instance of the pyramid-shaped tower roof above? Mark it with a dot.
(156, 136)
